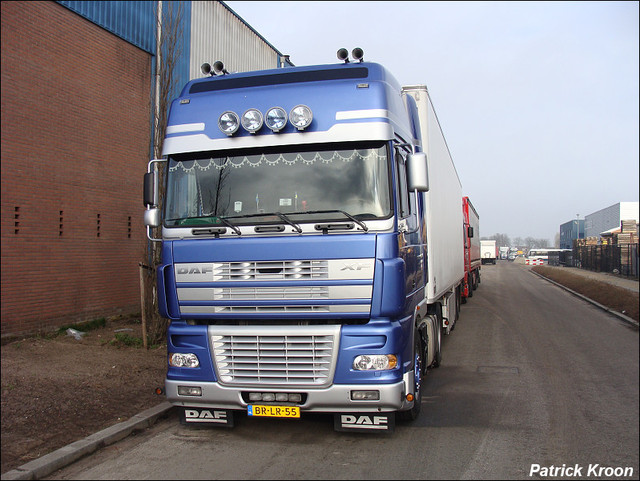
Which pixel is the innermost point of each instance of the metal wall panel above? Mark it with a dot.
(609, 218)
(218, 33)
(133, 21)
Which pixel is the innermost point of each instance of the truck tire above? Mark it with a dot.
(418, 372)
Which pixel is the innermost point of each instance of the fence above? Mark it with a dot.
(563, 258)
(618, 259)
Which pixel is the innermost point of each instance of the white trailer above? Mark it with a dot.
(442, 213)
(488, 252)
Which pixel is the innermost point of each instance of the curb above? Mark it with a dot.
(47, 464)
(617, 314)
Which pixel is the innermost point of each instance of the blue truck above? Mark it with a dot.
(312, 244)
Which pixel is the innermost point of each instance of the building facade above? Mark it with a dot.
(78, 82)
(609, 218)
(570, 231)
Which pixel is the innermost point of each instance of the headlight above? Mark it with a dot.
(300, 117)
(252, 120)
(179, 359)
(229, 122)
(375, 362)
(276, 118)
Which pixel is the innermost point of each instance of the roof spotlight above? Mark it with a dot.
(276, 118)
(218, 68)
(357, 54)
(206, 69)
(229, 122)
(300, 117)
(252, 120)
(343, 55)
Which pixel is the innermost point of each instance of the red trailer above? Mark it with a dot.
(472, 261)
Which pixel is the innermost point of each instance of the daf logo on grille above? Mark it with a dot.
(354, 266)
(195, 269)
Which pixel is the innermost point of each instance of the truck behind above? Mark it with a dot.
(472, 262)
(488, 251)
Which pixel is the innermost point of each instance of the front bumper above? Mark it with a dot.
(335, 398)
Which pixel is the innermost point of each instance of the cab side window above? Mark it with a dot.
(403, 193)
(406, 199)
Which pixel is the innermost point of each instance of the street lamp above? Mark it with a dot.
(575, 260)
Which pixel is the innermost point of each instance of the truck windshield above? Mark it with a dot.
(203, 188)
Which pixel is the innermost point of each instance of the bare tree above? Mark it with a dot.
(169, 31)
(502, 240)
(212, 189)
(169, 40)
(532, 243)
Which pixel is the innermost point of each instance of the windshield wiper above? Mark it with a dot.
(206, 219)
(280, 215)
(230, 225)
(289, 221)
(346, 214)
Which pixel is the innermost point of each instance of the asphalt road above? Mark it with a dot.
(532, 378)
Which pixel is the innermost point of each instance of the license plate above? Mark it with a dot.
(274, 411)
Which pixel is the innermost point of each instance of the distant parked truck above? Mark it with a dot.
(504, 252)
(471, 249)
(488, 251)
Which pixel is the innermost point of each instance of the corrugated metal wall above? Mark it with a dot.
(211, 31)
(217, 33)
(134, 21)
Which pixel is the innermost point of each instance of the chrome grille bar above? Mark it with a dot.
(270, 270)
(293, 356)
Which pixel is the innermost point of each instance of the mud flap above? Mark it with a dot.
(208, 416)
(365, 422)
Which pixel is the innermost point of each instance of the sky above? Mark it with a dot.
(538, 101)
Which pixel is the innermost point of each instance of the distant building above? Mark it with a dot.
(609, 218)
(569, 231)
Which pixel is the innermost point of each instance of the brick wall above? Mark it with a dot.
(75, 144)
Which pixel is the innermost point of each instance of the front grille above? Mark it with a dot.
(268, 293)
(270, 270)
(293, 356)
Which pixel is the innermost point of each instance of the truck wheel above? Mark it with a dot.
(418, 369)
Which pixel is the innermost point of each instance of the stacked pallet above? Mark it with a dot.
(628, 233)
(587, 241)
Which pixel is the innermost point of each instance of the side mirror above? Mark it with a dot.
(152, 217)
(151, 199)
(150, 190)
(418, 177)
(469, 231)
